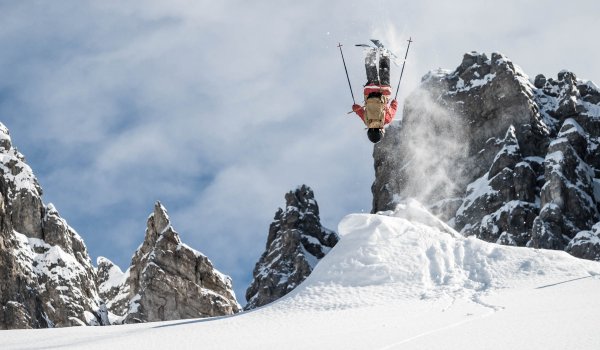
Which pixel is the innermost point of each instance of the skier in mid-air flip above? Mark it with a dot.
(377, 113)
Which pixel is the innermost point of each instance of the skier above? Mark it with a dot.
(376, 113)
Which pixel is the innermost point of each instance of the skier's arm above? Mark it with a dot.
(391, 112)
(359, 110)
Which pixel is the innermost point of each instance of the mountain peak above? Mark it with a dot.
(166, 280)
(295, 243)
(5, 140)
(40, 255)
(160, 218)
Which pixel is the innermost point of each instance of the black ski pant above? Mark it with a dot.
(381, 77)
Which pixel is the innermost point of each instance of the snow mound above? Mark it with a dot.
(410, 254)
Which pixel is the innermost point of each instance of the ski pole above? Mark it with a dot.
(402, 71)
(346, 69)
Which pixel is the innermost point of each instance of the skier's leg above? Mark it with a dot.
(384, 67)
(371, 66)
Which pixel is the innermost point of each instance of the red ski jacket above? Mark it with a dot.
(390, 111)
(385, 90)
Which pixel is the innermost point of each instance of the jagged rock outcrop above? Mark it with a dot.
(167, 280)
(46, 275)
(113, 288)
(586, 244)
(47, 279)
(296, 242)
(499, 156)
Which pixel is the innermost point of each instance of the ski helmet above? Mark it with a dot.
(374, 134)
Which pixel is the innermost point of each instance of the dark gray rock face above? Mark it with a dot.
(586, 244)
(498, 156)
(46, 275)
(296, 242)
(167, 280)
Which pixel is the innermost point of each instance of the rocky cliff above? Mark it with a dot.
(509, 159)
(167, 280)
(296, 242)
(46, 275)
(47, 278)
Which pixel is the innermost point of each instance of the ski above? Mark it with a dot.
(382, 50)
(378, 43)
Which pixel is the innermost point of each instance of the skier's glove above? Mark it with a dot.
(394, 104)
(356, 108)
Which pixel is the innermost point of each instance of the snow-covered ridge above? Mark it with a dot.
(114, 275)
(476, 71)
(15, 172)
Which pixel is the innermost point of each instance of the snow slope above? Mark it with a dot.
(401, 280)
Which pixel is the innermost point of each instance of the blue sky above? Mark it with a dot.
(217, 108)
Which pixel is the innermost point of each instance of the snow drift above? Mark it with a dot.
(410, 254)
(399, 279)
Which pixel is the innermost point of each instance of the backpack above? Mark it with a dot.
(375, 108)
